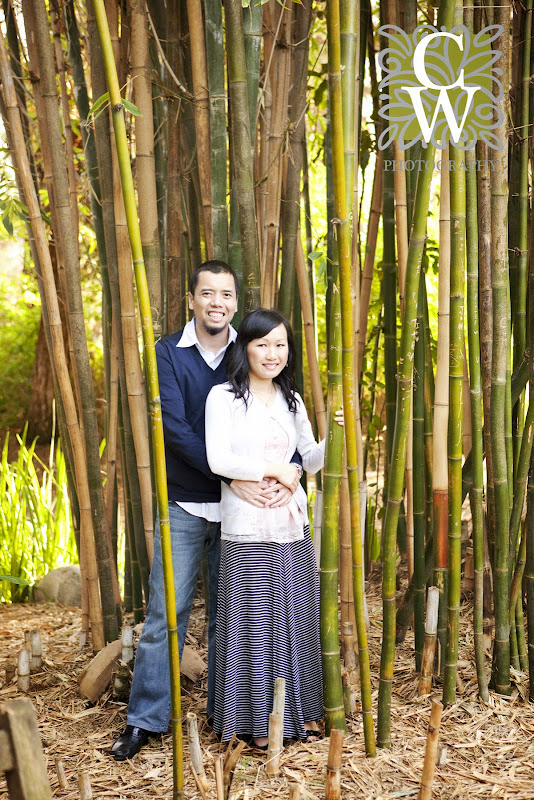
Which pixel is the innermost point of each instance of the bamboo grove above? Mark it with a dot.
(175, 132)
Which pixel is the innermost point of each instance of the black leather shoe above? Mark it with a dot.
(129, 743)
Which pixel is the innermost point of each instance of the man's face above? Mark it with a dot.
(214, 302)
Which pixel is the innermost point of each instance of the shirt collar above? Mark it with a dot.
(189, 337)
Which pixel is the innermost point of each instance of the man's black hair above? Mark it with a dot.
(217, 267)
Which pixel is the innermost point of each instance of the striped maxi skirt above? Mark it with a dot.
(267, 628)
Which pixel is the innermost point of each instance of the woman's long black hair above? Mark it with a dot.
(256, 325)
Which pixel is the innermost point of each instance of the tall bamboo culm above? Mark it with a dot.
(343, 239)
(152, 376)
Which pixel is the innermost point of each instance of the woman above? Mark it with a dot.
(268, 602)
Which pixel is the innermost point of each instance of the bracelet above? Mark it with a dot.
(299, 470)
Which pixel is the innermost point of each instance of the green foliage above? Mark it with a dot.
(20, 313)
(36, 532)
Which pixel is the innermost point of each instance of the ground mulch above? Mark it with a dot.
(486, 750)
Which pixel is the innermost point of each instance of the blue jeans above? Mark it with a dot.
(150, 697)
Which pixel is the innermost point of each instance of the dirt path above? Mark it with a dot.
(489, 749)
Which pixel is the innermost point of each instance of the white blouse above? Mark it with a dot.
(238, 442)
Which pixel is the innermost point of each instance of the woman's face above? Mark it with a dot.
(268, 356)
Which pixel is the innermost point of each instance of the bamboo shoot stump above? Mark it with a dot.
(276, 729)
(24, 670)
(195, 753)
(219, 781)
(333, 765)
(431, 629)
(429, 767)
(84, 785)
(61, 777)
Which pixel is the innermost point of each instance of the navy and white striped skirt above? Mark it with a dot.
(267, 628)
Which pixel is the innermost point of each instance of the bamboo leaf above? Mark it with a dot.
(12, 579)
(131, 108)
(104, 98)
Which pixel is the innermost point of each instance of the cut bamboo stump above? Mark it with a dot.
(21, 756)
(429, 766)
(333, 765)
(84, 785)
(295, 791)
(61, 777)
(10, 670)
(429, 648)
(127, 645)
(23, 669)
(276, 729)
(195, 752)
(36, 651)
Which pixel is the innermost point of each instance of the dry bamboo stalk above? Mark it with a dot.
(431, 628)
(425, 792)
(10, 670)
(219, 782)
(333, 765)
(112, 429)
(67, 127)
(84, 785)
(275, 746)
(279, 75)
(309, 336)
(36, 651)
(61, 777)
(147, 197)
(23, 670)
(58, 349)
(195, 752)
(135, 381)
(370, 249)
(230, 761)
(350, 673)
(201, 114)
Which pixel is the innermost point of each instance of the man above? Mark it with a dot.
(190, 363)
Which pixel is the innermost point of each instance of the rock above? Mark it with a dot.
(62, 585)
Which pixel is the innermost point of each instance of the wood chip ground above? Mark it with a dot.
(487, 751)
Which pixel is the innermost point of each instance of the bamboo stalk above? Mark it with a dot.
(441, 409)
(56, 333)
(84, 785)
(333, 765)
(431, 629)
(23, 670)
(275, 746)
(61, 777)
(144, 157)
(370, 249)
(242, 159)
(338, 170)
(476, 491)
(150, 360)
(454, 439)
(500, 350)
(219, 782)
(429, 767)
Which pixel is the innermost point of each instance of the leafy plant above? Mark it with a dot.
(36, 531)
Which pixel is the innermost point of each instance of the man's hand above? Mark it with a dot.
(267, 493)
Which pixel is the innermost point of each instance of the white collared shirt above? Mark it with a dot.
(209, 511)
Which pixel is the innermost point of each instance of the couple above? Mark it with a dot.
(232, 418)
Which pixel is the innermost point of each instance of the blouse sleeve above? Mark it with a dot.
(220, 425)
(311, 452)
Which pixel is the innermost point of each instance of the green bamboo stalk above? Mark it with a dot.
(419, 483)
(242, 157)
(121, 142)
(500, 348)
(252, 26)
(477, 449)
(217, 106)
(343, 239)
(329, 567)
(456, 376)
